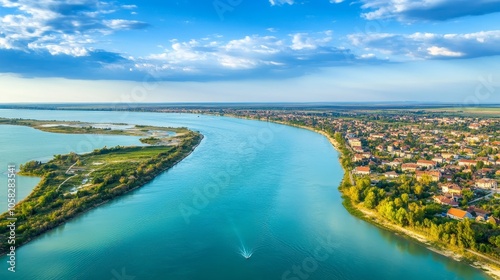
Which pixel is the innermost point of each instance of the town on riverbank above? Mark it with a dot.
(431, 177)
(431, 174)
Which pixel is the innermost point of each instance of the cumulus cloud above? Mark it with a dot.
(302, 41)
(428, 10)
(212, 57)
(431, 45)
(59, 27)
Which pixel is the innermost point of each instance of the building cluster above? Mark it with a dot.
(464, 160)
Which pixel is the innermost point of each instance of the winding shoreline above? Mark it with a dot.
(369, 217)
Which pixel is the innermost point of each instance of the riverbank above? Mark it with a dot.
(488, 265)
(369, 216)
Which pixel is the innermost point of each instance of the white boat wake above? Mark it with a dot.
(246, 253)
(242, 250)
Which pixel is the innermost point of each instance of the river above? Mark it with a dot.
(251, 189)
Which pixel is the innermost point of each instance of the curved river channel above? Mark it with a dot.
(254, 201)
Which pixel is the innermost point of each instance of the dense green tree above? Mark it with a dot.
(402, 217)
(405, 198)
(370, 200)
(419, 190)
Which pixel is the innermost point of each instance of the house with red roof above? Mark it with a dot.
(426, 163)
(441, 199)
(412, 167)
(458, 214)
(362, 170)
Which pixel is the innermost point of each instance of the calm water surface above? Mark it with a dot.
(249, 188)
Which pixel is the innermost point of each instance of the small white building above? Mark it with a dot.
(486, 183)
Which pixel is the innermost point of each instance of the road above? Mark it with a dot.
(483, 197)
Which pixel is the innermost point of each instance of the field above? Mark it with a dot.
(465, 111)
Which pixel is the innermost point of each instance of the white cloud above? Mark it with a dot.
(255, 44)
(129, 7)
(59, 27)
(212, 55)
(122, 24)
(440, 51)
(72, 45)
(430, 45)
(281, 2)
(368, 55)
(5, 44)
(62, 49)
(237, 62)
(427, 10)
(302, 41)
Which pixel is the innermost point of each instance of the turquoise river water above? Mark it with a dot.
(254, 201)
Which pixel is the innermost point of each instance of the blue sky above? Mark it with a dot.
(241, 50)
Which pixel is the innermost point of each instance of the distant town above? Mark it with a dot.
(460, 154)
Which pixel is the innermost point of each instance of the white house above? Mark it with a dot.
(486, 183)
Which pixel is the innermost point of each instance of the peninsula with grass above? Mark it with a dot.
(72, 184)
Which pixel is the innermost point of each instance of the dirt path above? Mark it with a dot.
(69, 169)
(64, 182)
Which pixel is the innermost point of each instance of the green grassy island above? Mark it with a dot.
(75, 183)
